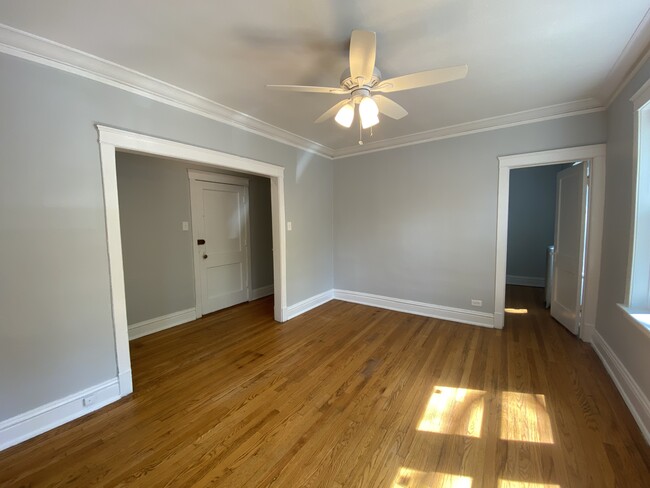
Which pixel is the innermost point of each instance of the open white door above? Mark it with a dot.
(568, 270)
(220, 226)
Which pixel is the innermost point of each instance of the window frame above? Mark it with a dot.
(637, 292)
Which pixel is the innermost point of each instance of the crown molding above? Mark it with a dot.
(631, 59)
(569, 109)
(44, 51)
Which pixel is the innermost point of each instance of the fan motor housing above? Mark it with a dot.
(349, 83)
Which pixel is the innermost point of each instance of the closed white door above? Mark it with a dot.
(219, 215)
(568, 269)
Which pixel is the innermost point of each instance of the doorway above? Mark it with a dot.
(112, 140)
(546, 232)
(221, 237)
(594, 210)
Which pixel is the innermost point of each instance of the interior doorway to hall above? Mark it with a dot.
(195, 240)
(546, 245)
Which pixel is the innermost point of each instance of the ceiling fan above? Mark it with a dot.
(363, 85)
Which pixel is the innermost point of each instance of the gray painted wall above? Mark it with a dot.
(261, 239)
(629, 342)
(154, 196)
(531, 219)
(56, 333)
(419, 222)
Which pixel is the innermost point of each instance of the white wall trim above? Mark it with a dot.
(587, 333)
(541, 114)
(641, 96)
(157, 324)
(261, 292)
(637, 288)
(634, 397)
(526, 281)
(471, 317)
(46, 417)
(212, 177)
(308, 304)
(55, 55)
(638, 318)
(125, 381)
(110, 140)
(596, 205)
(631, 59)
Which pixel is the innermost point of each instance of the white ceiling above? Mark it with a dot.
(522, 55)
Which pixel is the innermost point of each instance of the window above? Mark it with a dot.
(638, 290)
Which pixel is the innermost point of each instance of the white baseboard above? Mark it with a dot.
(525, 281)
(261, 292)
(471, 317)
(46, 417)
(634, 397)
(306, 305)
(150, 326)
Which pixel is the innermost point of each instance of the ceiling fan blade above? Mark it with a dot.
(387, 107)
(423, 78)
(309, 89)
(331, 112)
(363, 49)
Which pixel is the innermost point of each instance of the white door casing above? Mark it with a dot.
(220, 228)
(596, 154)
(568, 268)
(111, 140)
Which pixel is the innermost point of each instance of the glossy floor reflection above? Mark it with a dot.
(346, 396)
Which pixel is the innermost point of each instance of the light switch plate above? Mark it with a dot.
(186, 225)
(288, 225)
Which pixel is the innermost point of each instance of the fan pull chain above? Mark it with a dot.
(360, 133)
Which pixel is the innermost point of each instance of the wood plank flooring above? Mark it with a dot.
(351, 396)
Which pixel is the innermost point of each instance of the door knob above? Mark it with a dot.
(205, 256)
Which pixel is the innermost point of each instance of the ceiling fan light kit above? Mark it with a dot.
(363, 85)
(368, 112)
(345, 115)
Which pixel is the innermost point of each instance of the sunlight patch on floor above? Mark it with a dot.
(455, 411)
(524, 418)
(525, 484)
(517, 311)
(412, 478)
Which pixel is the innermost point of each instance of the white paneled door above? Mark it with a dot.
(568, 270)
(219, 217)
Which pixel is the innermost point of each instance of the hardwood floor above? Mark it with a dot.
(351, 396)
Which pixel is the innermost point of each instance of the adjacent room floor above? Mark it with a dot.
(348, 395)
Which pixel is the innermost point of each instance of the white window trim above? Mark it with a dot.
(640, 315)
